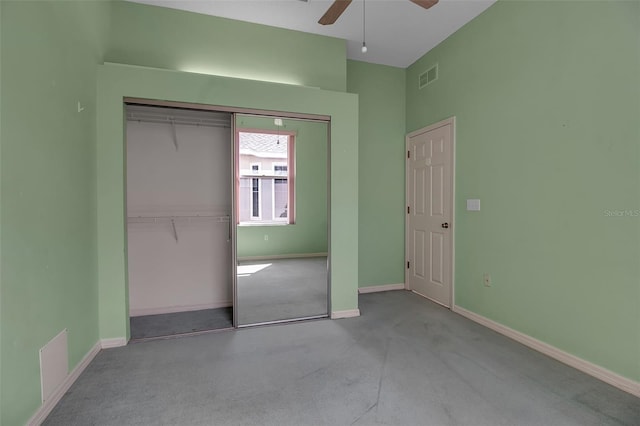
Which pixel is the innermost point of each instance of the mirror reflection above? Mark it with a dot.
(281, 211)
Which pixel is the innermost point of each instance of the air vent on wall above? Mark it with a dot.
(428, 77)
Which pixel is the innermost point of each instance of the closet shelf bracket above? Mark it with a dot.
(174, 134)
(175, 233)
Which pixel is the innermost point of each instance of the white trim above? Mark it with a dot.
(430, 299)
(452, 121)
(45, 409)
(349, 313)
(587, 367)
(114, 342)
(377, 288)
(259, 217)
(139, 312)
(282, 256)
(406, 214)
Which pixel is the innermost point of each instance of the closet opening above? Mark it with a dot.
(179, 220)
(228, 217)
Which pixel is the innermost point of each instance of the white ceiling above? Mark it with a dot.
(398, 32)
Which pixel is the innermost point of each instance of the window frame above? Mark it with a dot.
(291, 167)
(273, 190)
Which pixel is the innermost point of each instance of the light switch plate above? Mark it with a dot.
(473, 205)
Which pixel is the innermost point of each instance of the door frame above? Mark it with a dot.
(234, 111)
(449, 121)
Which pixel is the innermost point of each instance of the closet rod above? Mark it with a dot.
(175, 232)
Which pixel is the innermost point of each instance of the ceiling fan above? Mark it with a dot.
(335, 10)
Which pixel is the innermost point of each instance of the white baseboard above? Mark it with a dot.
(377, 288)
(139, 312)
(281, 256)
(115, 342)
(587, 367)
(45, 409)
(350, 313)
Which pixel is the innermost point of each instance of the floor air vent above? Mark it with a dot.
(54, 364)
(428, 77)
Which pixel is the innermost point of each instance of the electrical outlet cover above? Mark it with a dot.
(487, 280)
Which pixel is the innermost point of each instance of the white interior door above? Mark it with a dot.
(430, 211)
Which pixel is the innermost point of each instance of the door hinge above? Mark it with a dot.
(408, 264)
(408, 210)
(408, 154)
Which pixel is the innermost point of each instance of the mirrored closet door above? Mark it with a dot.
(281, 187)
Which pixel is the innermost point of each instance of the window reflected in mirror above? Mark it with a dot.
(266, 180)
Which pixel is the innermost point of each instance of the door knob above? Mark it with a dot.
(445, 225)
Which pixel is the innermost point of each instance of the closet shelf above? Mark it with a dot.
(163, 219)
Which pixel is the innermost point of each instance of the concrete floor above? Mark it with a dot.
(405, 361)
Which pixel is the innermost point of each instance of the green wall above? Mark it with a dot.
(547, 100)
(381, 90)
(117, 81)
(48, 282)
(309, 233)
(184, 41)
(547, 103)
(1, 133)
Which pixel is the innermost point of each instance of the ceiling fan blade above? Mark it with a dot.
(333, 13)
(425, 3)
